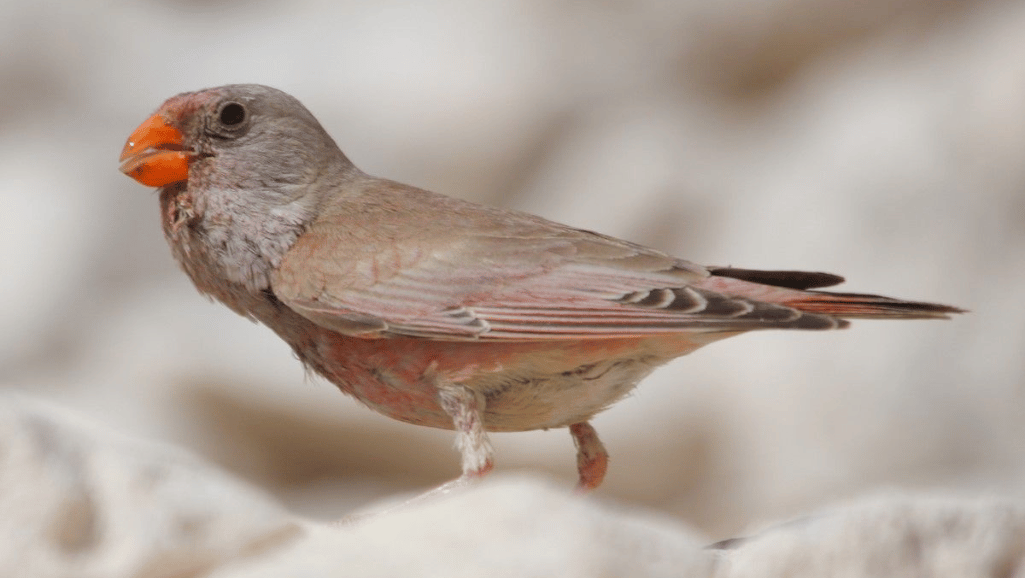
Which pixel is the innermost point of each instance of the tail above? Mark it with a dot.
(791, 289)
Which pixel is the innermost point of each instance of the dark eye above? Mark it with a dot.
(232, 114)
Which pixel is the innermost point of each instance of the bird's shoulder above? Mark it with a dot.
(378, 229)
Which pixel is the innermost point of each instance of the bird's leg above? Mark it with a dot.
(466, 408)
(592, 459)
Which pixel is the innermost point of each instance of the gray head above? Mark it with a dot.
(254, 164)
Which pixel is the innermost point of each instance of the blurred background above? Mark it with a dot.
(880, 140)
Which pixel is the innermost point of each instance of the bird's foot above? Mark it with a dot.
(592, 459)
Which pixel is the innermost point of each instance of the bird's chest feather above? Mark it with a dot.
(225, 249)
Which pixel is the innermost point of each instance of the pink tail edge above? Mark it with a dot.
(791, 288)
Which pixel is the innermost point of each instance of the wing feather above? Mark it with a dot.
(473, 272)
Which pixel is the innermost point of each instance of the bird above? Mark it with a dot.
(434, 310)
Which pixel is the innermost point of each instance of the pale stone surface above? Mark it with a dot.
(515, 527)
(79, 501)
(896, 536)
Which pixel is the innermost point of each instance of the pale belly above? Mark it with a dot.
(526, 385)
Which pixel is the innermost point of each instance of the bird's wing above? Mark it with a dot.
(471, 272)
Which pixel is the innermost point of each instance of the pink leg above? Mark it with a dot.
(592, 459)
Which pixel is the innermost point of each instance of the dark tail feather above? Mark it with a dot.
(790, 279)
(793, 292)
(862, 306)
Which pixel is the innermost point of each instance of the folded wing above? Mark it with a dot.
(522, 278)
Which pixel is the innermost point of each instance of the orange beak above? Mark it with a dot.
(154, 154)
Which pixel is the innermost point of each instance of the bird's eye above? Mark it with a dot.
(232, 114)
